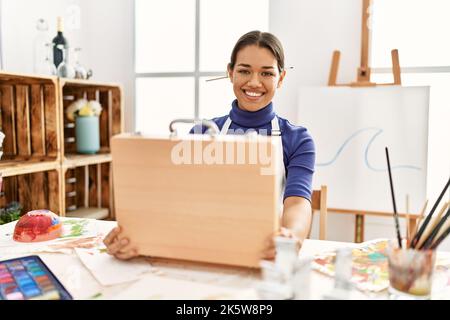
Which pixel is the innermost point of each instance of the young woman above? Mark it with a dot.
(256, 70)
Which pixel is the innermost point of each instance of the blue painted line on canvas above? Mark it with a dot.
(366, 152)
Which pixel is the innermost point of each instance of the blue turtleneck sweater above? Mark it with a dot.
(298, 146)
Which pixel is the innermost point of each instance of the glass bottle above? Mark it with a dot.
(47, 67)
(80, 71)
(65, 69)
(343, 269)
(60, 43)
(40, 49)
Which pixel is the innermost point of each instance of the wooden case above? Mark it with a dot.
(217, 213)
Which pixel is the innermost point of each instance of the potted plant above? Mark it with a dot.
(11, 213)
(87, 126)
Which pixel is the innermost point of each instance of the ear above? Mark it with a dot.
(280, 81)
(230, 72)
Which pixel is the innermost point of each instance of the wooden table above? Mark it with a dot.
(82, 285)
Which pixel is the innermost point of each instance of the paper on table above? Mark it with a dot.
(162, 288)
(109, 270)
(78, 228)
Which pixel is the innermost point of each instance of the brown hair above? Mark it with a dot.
(262, 40)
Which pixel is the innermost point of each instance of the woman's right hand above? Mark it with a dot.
(122, 249)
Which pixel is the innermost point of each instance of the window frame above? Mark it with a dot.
(196, 74)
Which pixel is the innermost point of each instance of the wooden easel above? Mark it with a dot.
(363, 78)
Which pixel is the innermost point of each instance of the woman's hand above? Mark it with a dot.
(122, 249)
(270, 251)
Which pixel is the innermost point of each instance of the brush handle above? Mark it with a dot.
(441, 238)
(435, 231)
(397, 225)
(428, 217)
(418, 222)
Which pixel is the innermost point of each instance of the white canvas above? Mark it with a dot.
(351, 128)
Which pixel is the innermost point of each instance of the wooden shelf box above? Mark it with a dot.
(40, 166)
(29, 118)
(108, 95)
(89, 187)
(39, 190)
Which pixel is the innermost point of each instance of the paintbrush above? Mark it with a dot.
(408, 223)
(428, 217)
(441, 231)
(214, 79)
(397, 226)
(419, 220)
(429, 239)
(431, 226)
(443, 235)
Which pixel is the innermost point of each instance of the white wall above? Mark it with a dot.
(105, 36)
(310, 31)
(19, 29)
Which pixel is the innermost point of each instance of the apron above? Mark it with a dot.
(275, 132)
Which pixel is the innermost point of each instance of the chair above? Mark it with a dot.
(319, 203)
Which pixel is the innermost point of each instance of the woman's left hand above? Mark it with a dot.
(270, 251)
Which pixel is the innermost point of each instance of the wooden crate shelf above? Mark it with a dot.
(14, 78)
(40, 166)
(76, 160)
(14, 168)
(89, 83)
(29, 118)
(111, 118)
(38, 190)
(88, 186)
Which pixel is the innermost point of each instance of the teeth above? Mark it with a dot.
(253, 94)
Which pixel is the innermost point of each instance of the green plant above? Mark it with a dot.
(11, 213)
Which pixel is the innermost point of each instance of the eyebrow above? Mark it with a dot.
(249, 66)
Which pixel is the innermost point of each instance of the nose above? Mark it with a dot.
(254, 80)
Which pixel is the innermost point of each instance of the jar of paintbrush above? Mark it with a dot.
(410, 271)
(411, 261)
(411, 266)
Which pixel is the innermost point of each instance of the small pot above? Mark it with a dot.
(87, 130)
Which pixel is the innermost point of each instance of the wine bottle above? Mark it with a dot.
(57, 42)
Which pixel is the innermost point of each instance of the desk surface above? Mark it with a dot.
(83, 285)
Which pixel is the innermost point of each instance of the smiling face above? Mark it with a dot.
(255, 77)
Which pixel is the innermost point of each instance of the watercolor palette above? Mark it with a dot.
(28, 278)
(370, 265)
